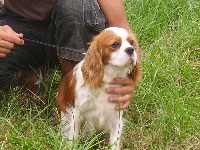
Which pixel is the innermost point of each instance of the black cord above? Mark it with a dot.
(50, 45)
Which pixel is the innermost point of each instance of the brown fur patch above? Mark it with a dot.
(66, 92)
(136, 73)
(93, 67)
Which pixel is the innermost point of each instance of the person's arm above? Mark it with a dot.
(8, 38)
(115, 14)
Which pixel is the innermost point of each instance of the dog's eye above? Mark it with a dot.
(116, 45)
(131, 42)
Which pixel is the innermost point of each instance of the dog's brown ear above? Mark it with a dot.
(136, 70)
(136, 73)
(66, 92)
(93, 67)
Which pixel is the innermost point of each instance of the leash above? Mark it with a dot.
(51, 45)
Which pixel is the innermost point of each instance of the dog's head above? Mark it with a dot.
(113, 46)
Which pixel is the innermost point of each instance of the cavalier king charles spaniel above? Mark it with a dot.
(81, 96)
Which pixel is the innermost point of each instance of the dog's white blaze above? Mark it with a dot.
(120, 32)
(120, 57)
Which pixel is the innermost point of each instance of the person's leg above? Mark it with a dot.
(75, 25)
(19, 65)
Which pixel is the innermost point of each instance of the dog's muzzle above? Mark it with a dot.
(129, 51)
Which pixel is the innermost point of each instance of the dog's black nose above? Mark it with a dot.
(129, 51)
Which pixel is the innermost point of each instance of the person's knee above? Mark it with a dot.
(67, 65)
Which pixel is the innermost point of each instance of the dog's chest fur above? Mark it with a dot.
(93, 104)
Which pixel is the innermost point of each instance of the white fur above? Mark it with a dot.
(92, 106)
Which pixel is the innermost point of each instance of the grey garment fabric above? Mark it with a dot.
(72, 26)
(83, 19)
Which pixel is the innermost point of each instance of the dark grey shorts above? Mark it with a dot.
(76, 22)
(72, 26)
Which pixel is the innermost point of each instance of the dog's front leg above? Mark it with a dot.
(116, 132)
(75, 124)
(70, 122)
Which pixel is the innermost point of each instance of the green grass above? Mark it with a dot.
(165, 110)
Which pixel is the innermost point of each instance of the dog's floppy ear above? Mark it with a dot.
(93, 67)
(135, 74)
(136, 70)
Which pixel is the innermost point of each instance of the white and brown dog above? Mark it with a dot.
(81, 94)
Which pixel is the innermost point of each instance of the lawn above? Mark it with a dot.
(165, 111)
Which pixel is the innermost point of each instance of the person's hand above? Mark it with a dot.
(8, 38)
(124, 92)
